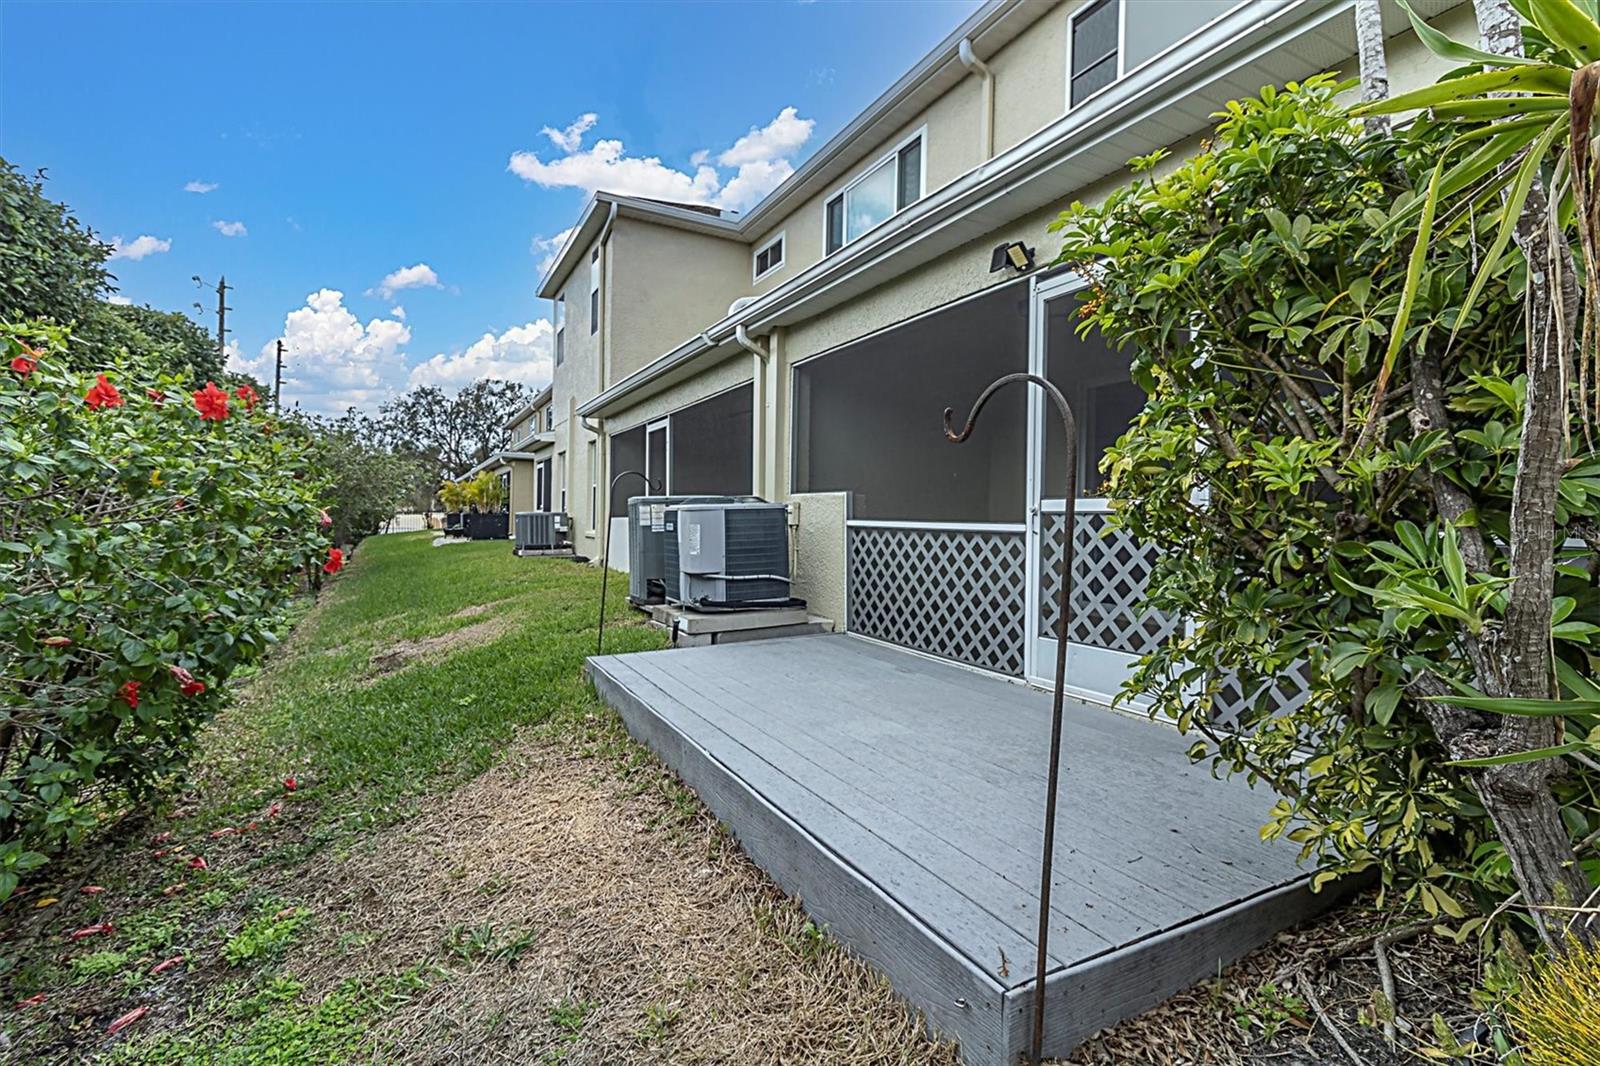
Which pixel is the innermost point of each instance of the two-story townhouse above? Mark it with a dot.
(631, 273)
(524, 465)
(896, 273)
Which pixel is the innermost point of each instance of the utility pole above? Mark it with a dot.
(277, 380)
(222, 318)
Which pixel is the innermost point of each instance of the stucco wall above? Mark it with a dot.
(668, 284)
(521, 485)
(725, 375)
(819, 560)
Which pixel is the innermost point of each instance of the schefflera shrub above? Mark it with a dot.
(152, 534)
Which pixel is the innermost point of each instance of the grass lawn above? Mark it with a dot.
(474, 863)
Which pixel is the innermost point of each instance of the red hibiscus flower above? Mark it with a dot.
(197, 863)
(290, 784)
(23, 365)
(212, 403)
(335, 561)
(156, 396)
(130, 694)
(247, 396)
(274, 810)
(324, 519)
(102, 394)
(187, 683)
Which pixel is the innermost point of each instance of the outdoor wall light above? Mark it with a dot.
(1016, 255)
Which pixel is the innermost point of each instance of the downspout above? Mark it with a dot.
(981, 69)
(760, 366)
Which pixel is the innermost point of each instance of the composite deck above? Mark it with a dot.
(899, 799)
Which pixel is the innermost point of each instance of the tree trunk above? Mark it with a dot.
(1374, 63)
(1517, 797)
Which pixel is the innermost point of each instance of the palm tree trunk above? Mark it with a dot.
(1374, 63)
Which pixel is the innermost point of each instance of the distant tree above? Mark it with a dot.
(456, 432)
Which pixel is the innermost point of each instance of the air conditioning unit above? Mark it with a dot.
(649, 532)
(540, 530)
(730, 555)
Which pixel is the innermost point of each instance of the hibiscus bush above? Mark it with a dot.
(151, 535)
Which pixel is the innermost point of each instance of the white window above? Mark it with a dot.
(769, 256)
(891, 184)
(594, 291)
(561, 327)
(1094, 49)
(594, 487)
(550, 418)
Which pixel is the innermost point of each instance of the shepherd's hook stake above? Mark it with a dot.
(605, 558)
(1070, 425)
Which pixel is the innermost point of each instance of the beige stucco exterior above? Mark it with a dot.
(664, 284)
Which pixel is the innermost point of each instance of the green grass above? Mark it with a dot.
(366, 749)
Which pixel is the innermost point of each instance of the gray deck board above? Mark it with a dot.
(900, 798)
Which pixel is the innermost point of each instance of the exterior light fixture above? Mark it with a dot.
(1016, 255)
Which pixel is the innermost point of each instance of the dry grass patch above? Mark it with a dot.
(580, 915)
(402, 653)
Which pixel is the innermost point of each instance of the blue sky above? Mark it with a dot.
(312, 151)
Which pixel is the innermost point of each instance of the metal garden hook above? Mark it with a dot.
(1070, 425)
(605, 557)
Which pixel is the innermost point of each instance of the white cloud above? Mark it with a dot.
(331, 360)
(761, 156)
(201, 187)
(522, 353)
(397, 312)
(547, 248)
(778, 139)
(420, 276)
(570, 139)
(118, 300)
(139, 247)
(230, 229)
(753, 181)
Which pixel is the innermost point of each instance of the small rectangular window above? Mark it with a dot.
(890, 185)
(770, 256)
(910, 190)
(1093, 34)
(594, 291)
(561, 328)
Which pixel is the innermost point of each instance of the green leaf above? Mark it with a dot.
(1522, 756)
(1525, 708)
(1567, 27)
(1538, 78)
(1446, 47)
(1509, 216)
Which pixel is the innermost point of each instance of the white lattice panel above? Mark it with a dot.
(952, 593)
(1110, 572)
(1283, 694)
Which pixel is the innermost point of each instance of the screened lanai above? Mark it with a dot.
(703, 448)
(953, 549)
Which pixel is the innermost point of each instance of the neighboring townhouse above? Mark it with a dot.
(806, 351)
(526, 463)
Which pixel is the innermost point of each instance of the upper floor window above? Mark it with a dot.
(769, 256)
(550, 418)
(889, 185)
(594, 291)
(1094, 52)
(561, 327)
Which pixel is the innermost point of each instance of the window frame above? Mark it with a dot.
(592, 453)
(892, 156)
(1122, 47)
(781, 237)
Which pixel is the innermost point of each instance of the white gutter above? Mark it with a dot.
(605, 292)
(986, 107)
